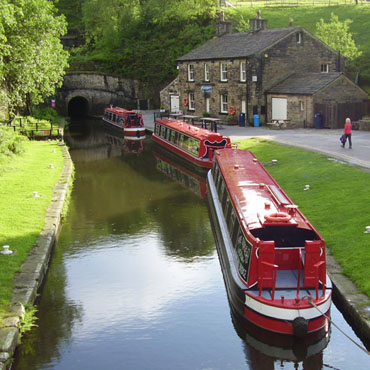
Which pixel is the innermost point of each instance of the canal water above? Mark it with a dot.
(135, 281)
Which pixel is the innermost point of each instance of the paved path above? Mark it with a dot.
(325, 141)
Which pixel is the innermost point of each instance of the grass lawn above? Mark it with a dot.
(337, 204)
(21, 214)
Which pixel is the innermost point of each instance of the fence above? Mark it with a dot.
(38, 129)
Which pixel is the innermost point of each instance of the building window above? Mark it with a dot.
(324, 68)
(206, 72)
(191, 101)
(223, 72)
(243, 71)
(301, 105)
(299, 37)
(224, 104)
(190, 72)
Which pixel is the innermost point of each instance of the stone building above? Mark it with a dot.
(233, 72)
(303, 96)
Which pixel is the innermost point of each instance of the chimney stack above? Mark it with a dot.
(223, 27)
(258, 24)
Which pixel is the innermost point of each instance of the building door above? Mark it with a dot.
(175, 103)
(244, 106)
(279, 108)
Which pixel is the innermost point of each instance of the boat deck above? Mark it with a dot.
(286, 286)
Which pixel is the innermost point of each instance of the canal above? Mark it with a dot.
(135, 281)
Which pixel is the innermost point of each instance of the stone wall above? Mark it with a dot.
(234, 88)
(299, 108)
(263, 71)
(99, 90)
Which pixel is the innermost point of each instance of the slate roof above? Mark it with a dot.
(304, 83)
(237, 45)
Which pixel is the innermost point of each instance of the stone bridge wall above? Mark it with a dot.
(97, 91)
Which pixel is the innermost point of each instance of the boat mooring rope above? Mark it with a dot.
(309, 298)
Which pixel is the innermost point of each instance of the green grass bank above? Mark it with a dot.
(22, 215)
(337, 203)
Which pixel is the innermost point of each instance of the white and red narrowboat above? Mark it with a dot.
(273, 259)
(192, 143)
(129, 121)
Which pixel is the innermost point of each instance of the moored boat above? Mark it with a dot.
(192, 143)
(273, 259)
(129, 121)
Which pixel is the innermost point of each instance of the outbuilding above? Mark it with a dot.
(320, 100)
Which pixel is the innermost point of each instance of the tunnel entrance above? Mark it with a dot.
(78, 107)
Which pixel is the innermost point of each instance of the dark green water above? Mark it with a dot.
(135, 281)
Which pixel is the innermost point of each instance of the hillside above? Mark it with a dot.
(146, 43)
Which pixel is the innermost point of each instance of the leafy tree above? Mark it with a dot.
(33, 59)
(336, 34)
(141, 39)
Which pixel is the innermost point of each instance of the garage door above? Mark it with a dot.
(279, 108)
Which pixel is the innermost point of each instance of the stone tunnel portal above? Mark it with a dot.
(78, 107)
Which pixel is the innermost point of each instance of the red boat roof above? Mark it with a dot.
(120, 111)
(255, 192)
(191, 130)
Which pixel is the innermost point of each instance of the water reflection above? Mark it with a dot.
(119, 144)
(135, 281)
(264, 349)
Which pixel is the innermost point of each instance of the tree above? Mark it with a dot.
(336, 35)
(33, 57)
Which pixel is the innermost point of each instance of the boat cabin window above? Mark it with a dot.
(157, 128)
(242, 252)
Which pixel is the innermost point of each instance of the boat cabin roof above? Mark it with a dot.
(191, 130)
(257, 196)
(120, 111)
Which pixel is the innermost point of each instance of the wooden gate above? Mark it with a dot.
(334, 115)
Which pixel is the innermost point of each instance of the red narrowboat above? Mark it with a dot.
(273, 259)
(189, 142)
(129, 121)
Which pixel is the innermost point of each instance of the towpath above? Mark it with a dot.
(325, 141)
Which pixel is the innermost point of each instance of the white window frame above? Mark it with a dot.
(243, 71)
(299, 37)
(191, 105)
(301, 105)
(206, 72)
(223, 72)
(224, 105)
(190, 72)
(325, 68)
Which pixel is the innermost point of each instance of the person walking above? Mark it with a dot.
(348, 133)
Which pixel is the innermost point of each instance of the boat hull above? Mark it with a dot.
(270, 315)
(206, 164)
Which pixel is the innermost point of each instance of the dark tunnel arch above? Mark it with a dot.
(78, 107)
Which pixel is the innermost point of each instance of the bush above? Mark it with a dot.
(48, 114)
(10, 142)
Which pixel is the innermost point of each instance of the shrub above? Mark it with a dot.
(10, 142)
(48, 114)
